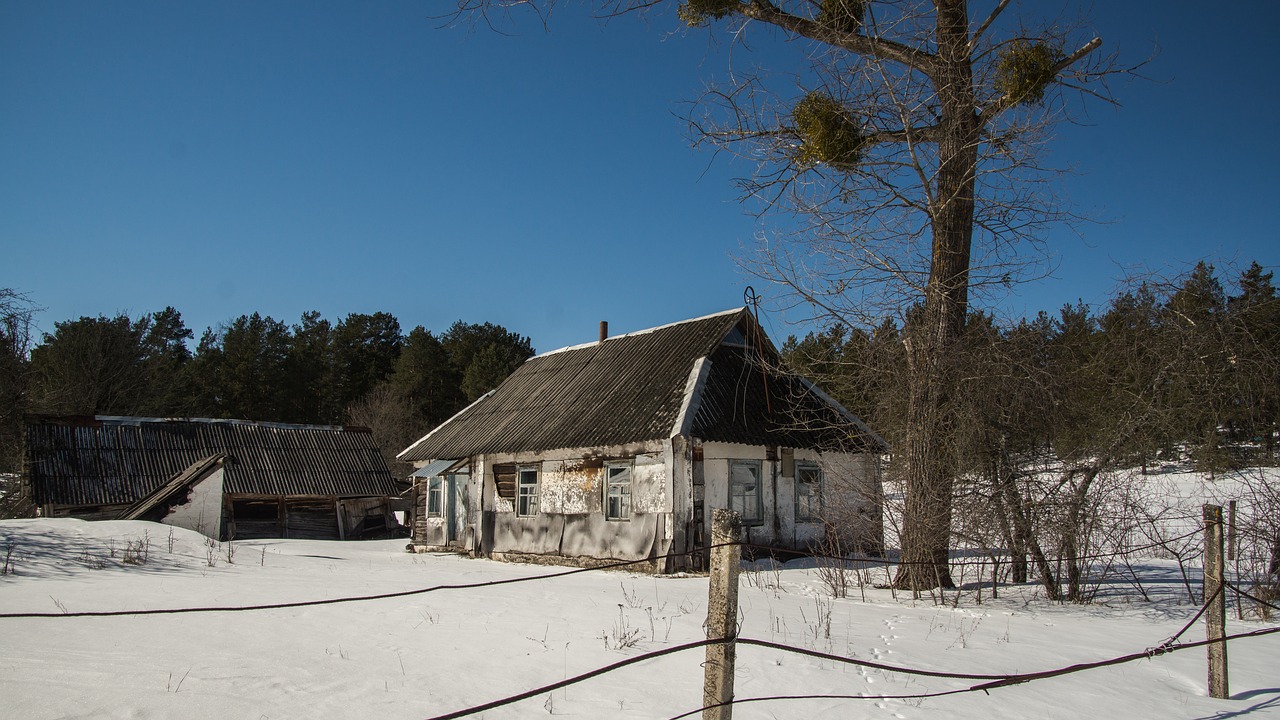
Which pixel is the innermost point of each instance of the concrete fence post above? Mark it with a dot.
(1215, 616)
(722, 614)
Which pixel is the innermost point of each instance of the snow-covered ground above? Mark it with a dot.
(424, 655)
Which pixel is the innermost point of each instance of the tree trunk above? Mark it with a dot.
(929, 469)
(1014, 518)
(1077, 530)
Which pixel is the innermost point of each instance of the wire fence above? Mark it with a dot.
(984, 682)
(613, 565)
(991, 681)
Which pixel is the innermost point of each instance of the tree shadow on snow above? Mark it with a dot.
(41, 552)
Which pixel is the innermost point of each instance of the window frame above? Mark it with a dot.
(526, 501)
(626, 508)
(814, 494)
(435, 496)
(757, 495)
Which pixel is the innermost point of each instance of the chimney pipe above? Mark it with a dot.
(604, 330)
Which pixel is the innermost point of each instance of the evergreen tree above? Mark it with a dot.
(310, 390)
(365, 349)
(169, 391)
(427, 379)
(1254, 328)
(91, 366)
(494, 351)
(1203, 383)
(242, 369)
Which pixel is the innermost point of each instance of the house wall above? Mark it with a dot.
(669, 484)
(850, 490)
(202, 511)
(570, 524)
(853, 496)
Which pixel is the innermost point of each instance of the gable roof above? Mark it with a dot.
(700, 376)
(120, 460)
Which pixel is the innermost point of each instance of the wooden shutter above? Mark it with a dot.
(504, 477)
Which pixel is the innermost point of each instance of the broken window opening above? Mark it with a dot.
(504, 480)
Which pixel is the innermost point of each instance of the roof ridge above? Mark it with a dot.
(88, 420)
(645, 331)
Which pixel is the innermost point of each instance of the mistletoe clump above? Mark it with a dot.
(1025, 70)
(842, 15)
(696, 13)
(828, 132)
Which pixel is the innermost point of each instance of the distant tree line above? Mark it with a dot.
(361, 370)
(1049, 408)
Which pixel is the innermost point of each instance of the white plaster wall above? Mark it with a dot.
(651, 483)
(570, 487)
(570, 519)
(851, 487)
(203, 512)
(715, 469)
(852, 493)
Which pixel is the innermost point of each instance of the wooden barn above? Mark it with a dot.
(618, 449)
(229, 479)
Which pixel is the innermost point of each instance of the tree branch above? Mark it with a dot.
(977, 35)
(880, 48)
(1007, 101)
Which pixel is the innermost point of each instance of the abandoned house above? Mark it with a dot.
(228, 479)
(617, 450)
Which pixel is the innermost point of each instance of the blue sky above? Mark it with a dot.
(232, 157)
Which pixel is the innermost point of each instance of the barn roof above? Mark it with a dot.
(119, 460)
(717, 378)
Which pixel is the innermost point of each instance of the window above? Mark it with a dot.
(527, 492)
(744, 489)
(435, 497)
(808, 492)
(617, 492)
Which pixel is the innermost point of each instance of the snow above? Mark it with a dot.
(432, 653)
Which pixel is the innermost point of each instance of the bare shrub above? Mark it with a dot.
(621, 635)
(137, 551)
(833, 569)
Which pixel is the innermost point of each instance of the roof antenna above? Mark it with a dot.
(752, 301)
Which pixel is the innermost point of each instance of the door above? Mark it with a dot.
(455, 506)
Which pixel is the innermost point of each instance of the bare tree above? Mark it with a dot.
(907, 157)
(390, 417)
(15, 347)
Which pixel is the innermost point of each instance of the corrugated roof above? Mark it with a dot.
(751, 401)
(113, 460)
(433, 469)
(630, 388)
(625, 389)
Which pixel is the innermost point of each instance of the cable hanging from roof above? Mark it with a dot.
(752, 301)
